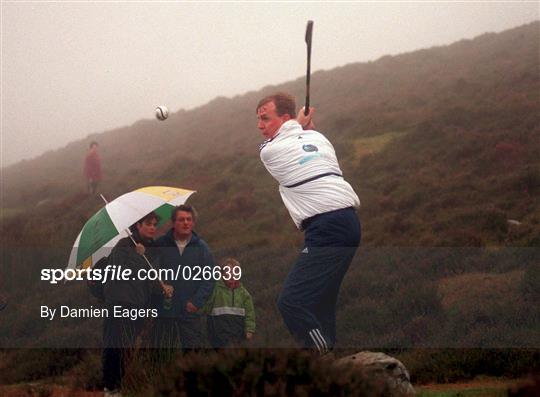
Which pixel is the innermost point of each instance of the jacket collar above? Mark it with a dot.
(170, 237)
(285, 127)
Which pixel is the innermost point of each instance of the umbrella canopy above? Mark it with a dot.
(103, 230)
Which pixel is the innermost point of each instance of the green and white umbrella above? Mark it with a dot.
(103, 230)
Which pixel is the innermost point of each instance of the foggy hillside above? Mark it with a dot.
(486, 84)
(441, 145)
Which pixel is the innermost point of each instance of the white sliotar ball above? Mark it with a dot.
(162, 112)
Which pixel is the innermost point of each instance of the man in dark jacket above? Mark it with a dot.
(182, 250)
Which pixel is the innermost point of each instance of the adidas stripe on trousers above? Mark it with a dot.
(309, 297)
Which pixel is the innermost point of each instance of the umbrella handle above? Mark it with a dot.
(161, 283)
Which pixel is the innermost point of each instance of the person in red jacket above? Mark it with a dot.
(92, 168)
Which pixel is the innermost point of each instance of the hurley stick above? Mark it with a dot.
(309, 35)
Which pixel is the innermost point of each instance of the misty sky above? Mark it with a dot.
(73, 68)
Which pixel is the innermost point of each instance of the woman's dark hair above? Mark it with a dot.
(152, 215)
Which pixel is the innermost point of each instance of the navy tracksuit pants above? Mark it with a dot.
(308, 300)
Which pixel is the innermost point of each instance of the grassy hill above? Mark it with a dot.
(442, 146)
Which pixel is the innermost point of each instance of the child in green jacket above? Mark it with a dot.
(231, 316)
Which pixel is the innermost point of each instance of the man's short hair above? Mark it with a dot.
(285, 103)
(93, 143)
(185, 208)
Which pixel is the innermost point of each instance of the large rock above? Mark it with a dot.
(383, 367)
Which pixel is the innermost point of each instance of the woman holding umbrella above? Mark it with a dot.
(120, 333)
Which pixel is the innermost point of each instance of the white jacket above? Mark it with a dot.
(305, 165)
